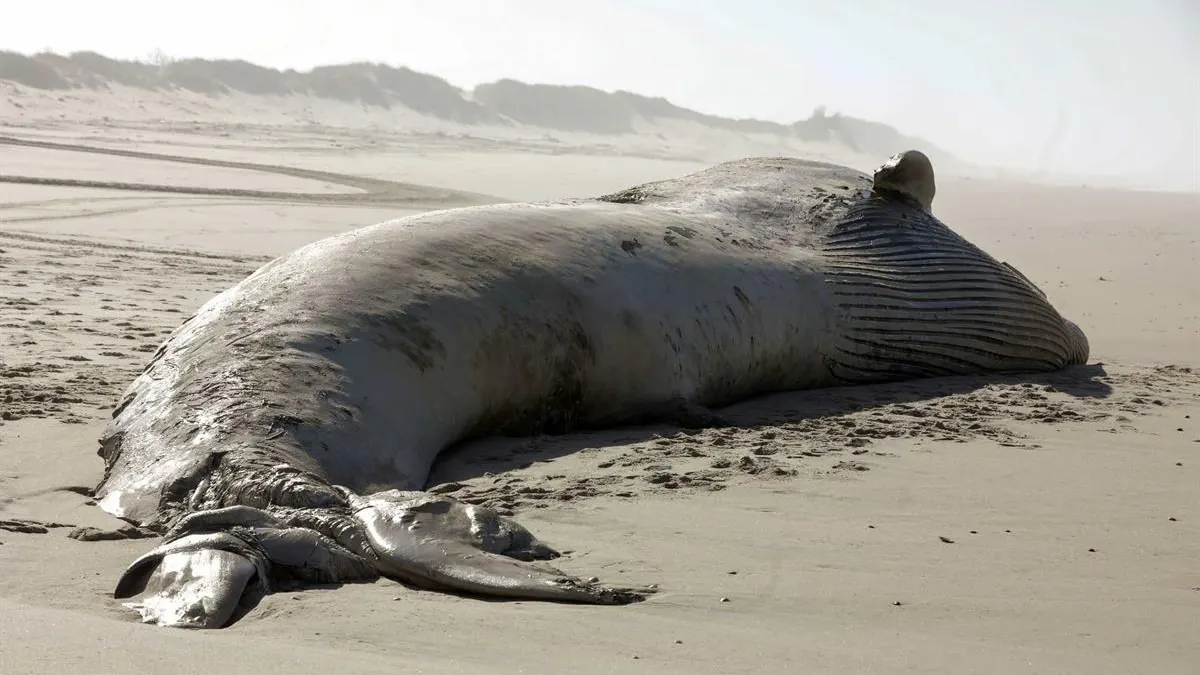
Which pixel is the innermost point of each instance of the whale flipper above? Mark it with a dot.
(436, 542)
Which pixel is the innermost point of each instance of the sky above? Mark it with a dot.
(1106, 88)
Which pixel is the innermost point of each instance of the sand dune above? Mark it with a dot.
(503, 104)
(965, 525)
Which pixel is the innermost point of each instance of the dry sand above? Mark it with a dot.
(967, 525)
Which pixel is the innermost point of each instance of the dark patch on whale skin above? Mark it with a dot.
(633, 195)
(685, 232)
(406, 333)
(742, 297)
(559, 412)
(674, 232)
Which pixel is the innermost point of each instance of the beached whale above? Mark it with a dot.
(285, 432)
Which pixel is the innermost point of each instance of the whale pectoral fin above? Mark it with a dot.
(458, 566)
(510, 538)
(437, 542)
(203, 588)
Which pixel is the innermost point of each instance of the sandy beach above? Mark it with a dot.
(1043, 524)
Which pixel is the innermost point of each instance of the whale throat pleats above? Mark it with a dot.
(917, 300)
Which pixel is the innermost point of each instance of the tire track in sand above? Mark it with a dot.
(374, 191)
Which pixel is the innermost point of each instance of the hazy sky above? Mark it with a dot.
(1090, 86)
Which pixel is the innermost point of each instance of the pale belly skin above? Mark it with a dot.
(343, 369)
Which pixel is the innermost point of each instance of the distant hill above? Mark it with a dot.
(506, 102)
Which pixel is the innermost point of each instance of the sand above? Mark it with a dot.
(966, 525)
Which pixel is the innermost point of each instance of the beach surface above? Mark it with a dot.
(1044, 524)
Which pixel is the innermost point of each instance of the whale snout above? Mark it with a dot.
(1078, 348)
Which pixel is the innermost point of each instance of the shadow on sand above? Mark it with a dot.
(476, 458)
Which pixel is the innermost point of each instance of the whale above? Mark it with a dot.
(283, 435)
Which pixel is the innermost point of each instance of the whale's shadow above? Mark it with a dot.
(495, 455)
